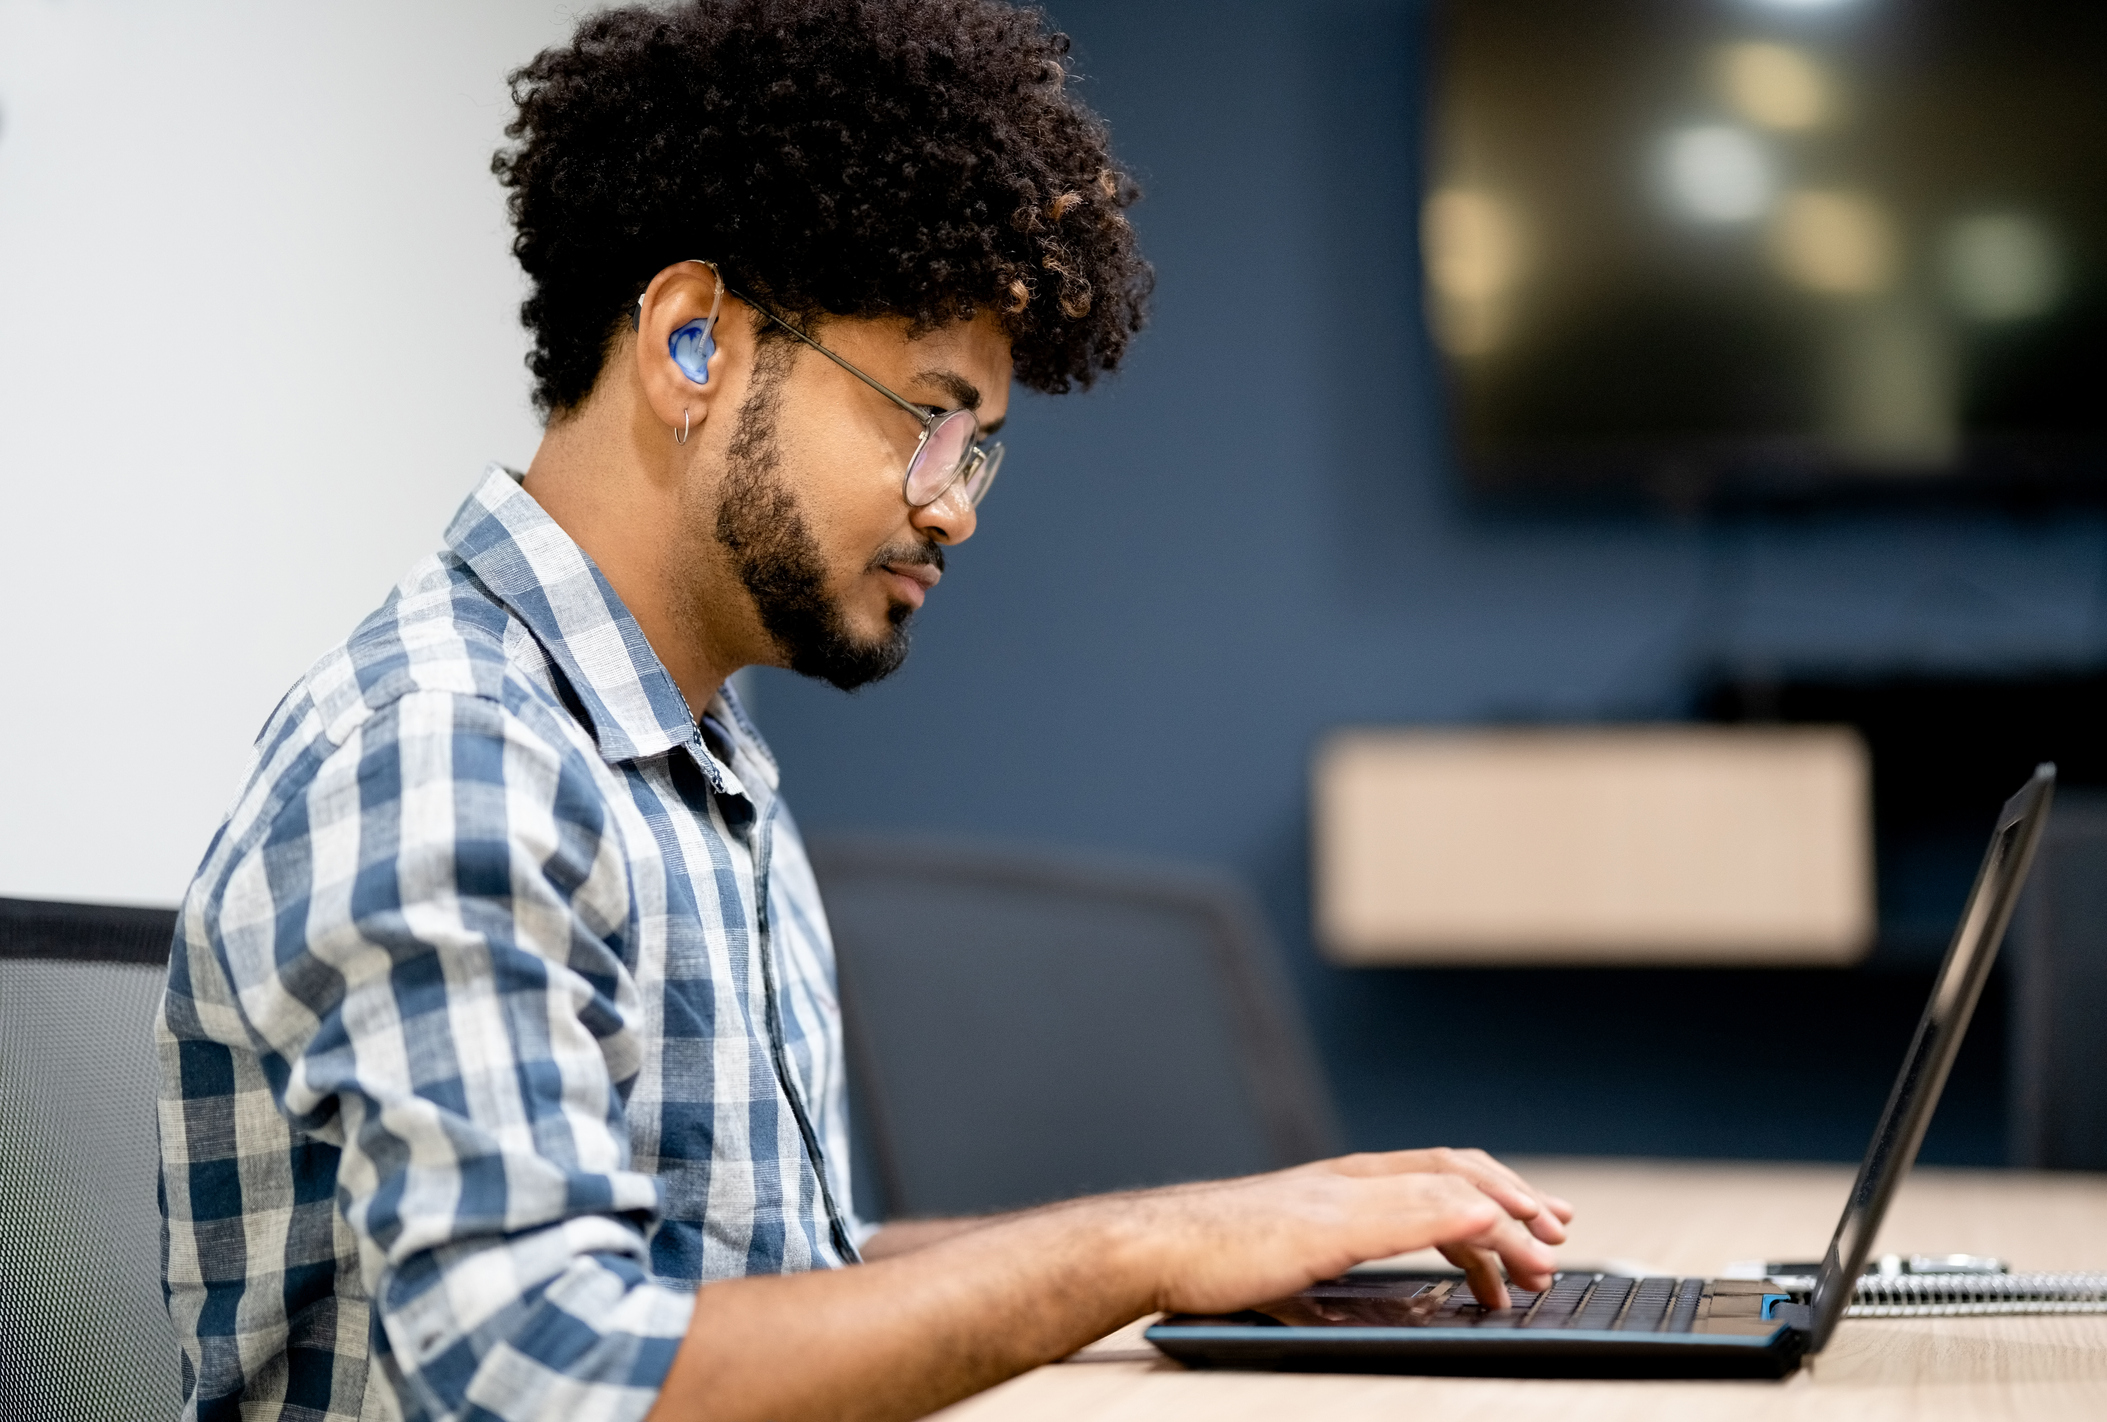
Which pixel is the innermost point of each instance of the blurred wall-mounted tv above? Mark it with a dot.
(1710, 250)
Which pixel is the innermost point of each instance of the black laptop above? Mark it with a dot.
(1607, 1325)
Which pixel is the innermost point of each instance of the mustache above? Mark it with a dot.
(909, 556)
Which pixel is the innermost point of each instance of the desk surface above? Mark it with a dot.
(1694, 1219)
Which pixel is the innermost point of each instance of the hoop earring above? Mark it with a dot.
(682, 437)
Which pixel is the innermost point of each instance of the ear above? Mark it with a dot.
(681, 373)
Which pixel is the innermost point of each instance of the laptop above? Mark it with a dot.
(1607, 1325)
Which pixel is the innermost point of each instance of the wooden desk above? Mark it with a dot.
(1694, 1219)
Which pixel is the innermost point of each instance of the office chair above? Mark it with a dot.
(83, 1330)
(2058, 968)
(1025, 1027)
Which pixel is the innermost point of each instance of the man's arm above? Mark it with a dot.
(422, 946)
(906, 1334)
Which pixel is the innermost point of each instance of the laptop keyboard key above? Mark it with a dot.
(1683, 1317)
(1559, 1301)
(1649, 1305)
(1605, 1304)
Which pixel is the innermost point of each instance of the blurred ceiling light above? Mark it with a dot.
(1473, 251)
(1803, 4)
(1718, 174)
(1774, 85)
(1837, 243)
(2001, 266)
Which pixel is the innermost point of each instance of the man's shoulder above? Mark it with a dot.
(440, 635)
(439, 631)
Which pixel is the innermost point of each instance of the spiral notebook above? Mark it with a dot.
(1951, 1286)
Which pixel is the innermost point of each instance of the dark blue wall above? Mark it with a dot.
(1253, 535)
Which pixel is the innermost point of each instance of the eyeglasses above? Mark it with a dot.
(949, 450)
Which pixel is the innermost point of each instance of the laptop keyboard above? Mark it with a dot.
(1597, 1302)
(1609, 1303)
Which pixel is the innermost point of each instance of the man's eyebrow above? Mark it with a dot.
(962, 390)
(955, 385)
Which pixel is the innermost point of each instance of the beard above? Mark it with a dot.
(764, 534)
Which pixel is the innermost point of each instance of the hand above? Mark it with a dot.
(1545, 1214)
(1234, 1243)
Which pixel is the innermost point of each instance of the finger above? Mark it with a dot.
(1479, 1271)
(1529, 1263)
(1473, 1232)
(1551, 1206)
(1452, 1209)
(1513, 1194)
(1533, 1279)
(1547, 1226)
(1547, 1216)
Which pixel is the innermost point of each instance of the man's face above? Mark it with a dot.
(811, 514)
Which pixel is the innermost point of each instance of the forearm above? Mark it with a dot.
(900, 1337)
(908, 1334)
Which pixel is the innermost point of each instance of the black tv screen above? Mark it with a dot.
(1705, 249)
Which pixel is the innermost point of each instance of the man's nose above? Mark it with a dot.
(949, 519)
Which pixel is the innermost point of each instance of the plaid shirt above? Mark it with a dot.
(501, 1015)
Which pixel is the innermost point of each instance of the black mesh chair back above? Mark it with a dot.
(83, 1330)
(1025, 1027)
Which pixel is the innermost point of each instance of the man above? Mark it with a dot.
(503, 1072)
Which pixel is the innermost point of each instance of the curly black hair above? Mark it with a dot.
(916, 158)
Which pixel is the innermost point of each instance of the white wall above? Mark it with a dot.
(257, 339)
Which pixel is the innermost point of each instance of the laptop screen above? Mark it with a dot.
(1932, 1050)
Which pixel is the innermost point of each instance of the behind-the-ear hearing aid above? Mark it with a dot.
(691, 346)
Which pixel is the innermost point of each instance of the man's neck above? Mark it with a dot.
(602, 476)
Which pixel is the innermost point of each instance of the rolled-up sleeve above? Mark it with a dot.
(425, 948)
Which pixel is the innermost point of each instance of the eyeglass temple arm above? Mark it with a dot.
(911, 408)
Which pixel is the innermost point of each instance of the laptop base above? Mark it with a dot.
(1585, 1325)
(1595, 1356)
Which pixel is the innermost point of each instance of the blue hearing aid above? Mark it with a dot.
(692, 345)
(691, 348)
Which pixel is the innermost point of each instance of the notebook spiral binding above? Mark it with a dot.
(1969, 1295)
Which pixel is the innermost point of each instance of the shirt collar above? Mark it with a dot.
(547, 581)
(751, 759)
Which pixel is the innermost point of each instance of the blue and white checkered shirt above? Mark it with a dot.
(500, 1017)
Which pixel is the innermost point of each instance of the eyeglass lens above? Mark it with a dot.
(936, 463)
(983, 474)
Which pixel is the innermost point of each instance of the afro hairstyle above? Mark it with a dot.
(925, 159)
